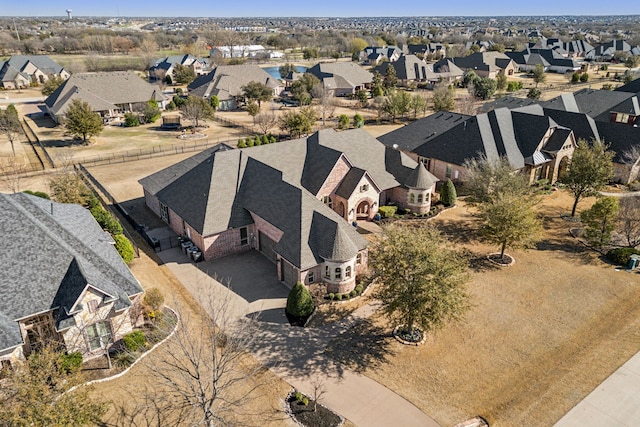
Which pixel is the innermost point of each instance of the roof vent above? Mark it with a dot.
(395, 146)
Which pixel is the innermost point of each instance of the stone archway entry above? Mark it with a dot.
(362, 211)
(562, 167)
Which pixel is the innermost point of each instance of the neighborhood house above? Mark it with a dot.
(296, 201)
(62, 283)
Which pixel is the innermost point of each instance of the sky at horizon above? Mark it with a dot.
(301, 8)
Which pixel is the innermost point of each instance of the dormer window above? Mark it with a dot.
(92, 305)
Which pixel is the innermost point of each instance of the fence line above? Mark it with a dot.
(140, 154)
(233, 124)
(102, 192)
(37, 140)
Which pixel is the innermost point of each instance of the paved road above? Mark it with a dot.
(10, 100)
(296, 354)
(614, 403)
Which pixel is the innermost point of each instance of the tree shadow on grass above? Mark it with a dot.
(458, 231)
(363, 347)
(478, 262)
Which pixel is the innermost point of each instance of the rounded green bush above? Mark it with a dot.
(331, 296)
(353, 293)
(124, 247)
(299, 301)
(339, 297)
(621, 256)
(359, 288)
(70, 362)
(135, 341)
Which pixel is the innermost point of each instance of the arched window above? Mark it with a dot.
(338, 273)
(419, 198)
(347, 271)
(412, 198)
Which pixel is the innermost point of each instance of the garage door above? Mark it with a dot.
(266, 246)
(290, 274)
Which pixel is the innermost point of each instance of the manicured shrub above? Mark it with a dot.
(241, 143)
(40, 194)
(131, 120)
(621, 256)
(124, 248)
(299, 301)
(353, 293)
(331, 296)
(339, 297)
(448, 193)
(272, 139)
(359, 288)
(387, 211)
(70, 362)
(135, 341)
(343, 121)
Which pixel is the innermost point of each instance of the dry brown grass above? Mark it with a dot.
(540, 336)
(264, 409)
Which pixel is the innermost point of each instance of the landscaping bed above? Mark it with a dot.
(134, 345)
(302, 411)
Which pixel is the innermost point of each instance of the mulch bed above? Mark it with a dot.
(504, 260)
(304, 414)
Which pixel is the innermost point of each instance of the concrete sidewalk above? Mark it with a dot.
(614, 403)
(297, 354)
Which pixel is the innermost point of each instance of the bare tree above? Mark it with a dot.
(10, 125)
(266, 121)
(467, 104)
(631, 158)
(10, 172)
(326, 101)
(204, 371)
(629, 220)
(318, 391)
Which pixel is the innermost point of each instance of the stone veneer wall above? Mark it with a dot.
(75, 338)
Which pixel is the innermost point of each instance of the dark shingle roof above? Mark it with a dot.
(420, 178)
(413, 135)
(596, 103)
(216, 190)
(633, 87)
(53, 250)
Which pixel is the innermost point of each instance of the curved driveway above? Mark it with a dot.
(295, 354)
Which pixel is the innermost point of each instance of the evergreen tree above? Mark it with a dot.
(448, 193)
(299, 301)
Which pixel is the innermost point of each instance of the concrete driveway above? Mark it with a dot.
(295, 354)
(252, 278)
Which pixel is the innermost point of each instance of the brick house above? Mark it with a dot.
(294, 201)
(63, 282)
(110, 94)
(532, 143)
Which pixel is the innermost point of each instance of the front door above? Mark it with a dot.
(362, 211)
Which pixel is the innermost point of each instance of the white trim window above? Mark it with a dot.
(310, 277)
(98, 335)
